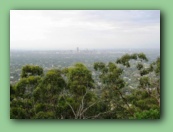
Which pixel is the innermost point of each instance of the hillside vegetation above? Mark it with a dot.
(74, 93)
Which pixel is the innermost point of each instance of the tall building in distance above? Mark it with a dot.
(77, 49)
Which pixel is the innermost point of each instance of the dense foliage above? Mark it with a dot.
(72, 93)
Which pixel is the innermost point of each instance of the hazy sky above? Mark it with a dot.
(86, 29)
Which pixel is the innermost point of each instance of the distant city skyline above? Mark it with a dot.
(84, 29)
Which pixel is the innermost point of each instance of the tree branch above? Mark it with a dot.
(70, 107)
(102, 113)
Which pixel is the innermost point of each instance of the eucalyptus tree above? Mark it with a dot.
(112, 83)
(22, 101)
(144, 100)
(47, 95)
(79, 94)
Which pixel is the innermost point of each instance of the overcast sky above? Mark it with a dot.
(86, 29)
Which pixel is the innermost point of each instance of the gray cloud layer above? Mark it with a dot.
(87, 29)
